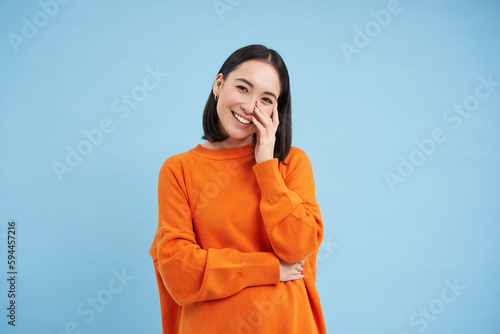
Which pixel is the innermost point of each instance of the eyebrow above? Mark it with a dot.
(251, 85)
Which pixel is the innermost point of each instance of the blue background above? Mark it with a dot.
(389, 253)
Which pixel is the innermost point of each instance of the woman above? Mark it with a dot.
(239, 227)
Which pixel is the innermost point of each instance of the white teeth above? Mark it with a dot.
(241, 119)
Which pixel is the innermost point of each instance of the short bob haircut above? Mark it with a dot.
(284, 131)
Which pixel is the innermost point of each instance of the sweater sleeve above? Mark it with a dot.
(190, 273)
(289, 209)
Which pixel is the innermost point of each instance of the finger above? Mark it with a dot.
(302, 262)
(265, 121)
(258, 125)
(268, 119)
(295, 276)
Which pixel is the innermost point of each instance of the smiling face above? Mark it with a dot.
(252, 81)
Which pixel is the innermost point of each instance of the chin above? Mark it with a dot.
(240, 136)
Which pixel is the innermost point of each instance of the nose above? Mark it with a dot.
(249, 105)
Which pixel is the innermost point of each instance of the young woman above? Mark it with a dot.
(239, 226)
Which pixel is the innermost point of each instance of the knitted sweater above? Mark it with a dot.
(224, 223)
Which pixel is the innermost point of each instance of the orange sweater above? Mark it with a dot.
(224, 222)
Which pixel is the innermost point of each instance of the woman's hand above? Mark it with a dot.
(266, 132)
(291, 271)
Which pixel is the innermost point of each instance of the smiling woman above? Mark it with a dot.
(239, 226)
(243, 106)
(251, 81)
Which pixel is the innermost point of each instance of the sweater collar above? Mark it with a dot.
(224, 153)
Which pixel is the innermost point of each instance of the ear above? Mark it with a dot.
(217, 84)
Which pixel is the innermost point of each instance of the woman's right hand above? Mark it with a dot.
(291, 271)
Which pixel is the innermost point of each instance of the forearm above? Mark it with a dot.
(291, 216)
(192, 274)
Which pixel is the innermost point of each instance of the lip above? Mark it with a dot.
(238, 122)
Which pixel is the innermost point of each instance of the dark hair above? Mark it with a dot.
(284, 131)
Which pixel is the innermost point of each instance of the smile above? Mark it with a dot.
(241, 119)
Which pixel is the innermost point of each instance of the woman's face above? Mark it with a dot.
(251, 81)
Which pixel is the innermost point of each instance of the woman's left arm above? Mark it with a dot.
(288, 205)
(289, 209)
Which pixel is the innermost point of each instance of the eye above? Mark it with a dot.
(242, 88)
(267, 100)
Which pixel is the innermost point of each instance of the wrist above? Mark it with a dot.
(259, 160)
(263, 156)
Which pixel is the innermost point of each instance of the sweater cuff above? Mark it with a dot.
(269, 179)
(260, 269)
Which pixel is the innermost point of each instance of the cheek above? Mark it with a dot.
(223, 105)
(230, 99)
(268, 110)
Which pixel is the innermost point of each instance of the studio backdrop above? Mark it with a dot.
(396, 103)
